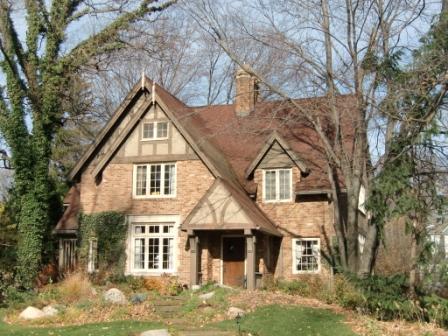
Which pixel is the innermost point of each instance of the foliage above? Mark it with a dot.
(37, 71)
(294, 287)
(109, 228)
(346, 294)
(407, 183)
(164, 285)
(386, 298)
(436, 310)
(74, 287)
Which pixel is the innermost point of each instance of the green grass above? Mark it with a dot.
(291, 321)
(117, 328)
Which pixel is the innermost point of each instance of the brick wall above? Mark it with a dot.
(114, 192)
(301, 218)
(310, 217)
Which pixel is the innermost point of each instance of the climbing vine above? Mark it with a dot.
(109, 229)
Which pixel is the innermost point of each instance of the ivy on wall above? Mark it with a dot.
(109, 229)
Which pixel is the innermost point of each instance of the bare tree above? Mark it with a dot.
(331, 48)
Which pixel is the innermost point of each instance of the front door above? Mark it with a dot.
(233, 256)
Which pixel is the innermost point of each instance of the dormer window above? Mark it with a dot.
(155, 130)
(277, 185)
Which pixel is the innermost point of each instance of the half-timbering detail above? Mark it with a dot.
(218, 193)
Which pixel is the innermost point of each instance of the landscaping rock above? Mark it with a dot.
(158, 332)
(114, 295)
(50, 311)
(32, 313)
(138, 298)
(207, 296)
(233, 312)
(195, 288)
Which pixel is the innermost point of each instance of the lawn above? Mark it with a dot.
(291, 321)
(117, 328)
(265, 321)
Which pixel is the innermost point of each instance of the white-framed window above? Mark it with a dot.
(157, 130)
(153, 247)
(154, 180)
(92, 265)
(306, 255)
(277, 185)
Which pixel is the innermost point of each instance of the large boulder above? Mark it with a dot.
(233, 312)
(32, 313)
(115, 296)
(158, 332)
(50, 311)
(206, 296)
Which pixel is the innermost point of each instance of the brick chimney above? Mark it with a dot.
(246, 93)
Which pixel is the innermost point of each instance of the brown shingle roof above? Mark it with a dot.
(240, 139)
(228, 144)
(68, 224)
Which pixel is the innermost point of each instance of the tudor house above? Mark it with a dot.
(224, 193)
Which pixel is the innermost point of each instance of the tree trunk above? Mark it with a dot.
(413, 271)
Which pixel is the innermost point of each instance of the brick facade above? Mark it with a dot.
(114, 192)
(304, 217)
(299, 218)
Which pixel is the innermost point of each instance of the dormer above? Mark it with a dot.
(276, 170)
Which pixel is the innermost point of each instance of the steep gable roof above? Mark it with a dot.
(231, 146)
(158, 96)
(276, 138)
(212, 211)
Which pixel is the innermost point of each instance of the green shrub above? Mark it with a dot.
(16, 298)
(347, 295)
(294, 287)
(436, 310)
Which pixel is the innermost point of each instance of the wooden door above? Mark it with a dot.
(233, 255)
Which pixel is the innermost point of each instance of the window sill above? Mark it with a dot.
(306, 272)
(155, 197)
(152, 273)
(155, 139)
(278, 201)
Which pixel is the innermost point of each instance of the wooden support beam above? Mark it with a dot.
(194, 260)
(250, 262)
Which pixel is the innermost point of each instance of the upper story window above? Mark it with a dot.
(155, 180)
(155, 130)
(277, 185)
(306, 255)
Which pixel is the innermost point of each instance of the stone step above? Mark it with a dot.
(206, 332)
(167, 309)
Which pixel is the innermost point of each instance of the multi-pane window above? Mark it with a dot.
(155, 180)
(277, 185)
(306, 255)
(153, 247)
(155, 130)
